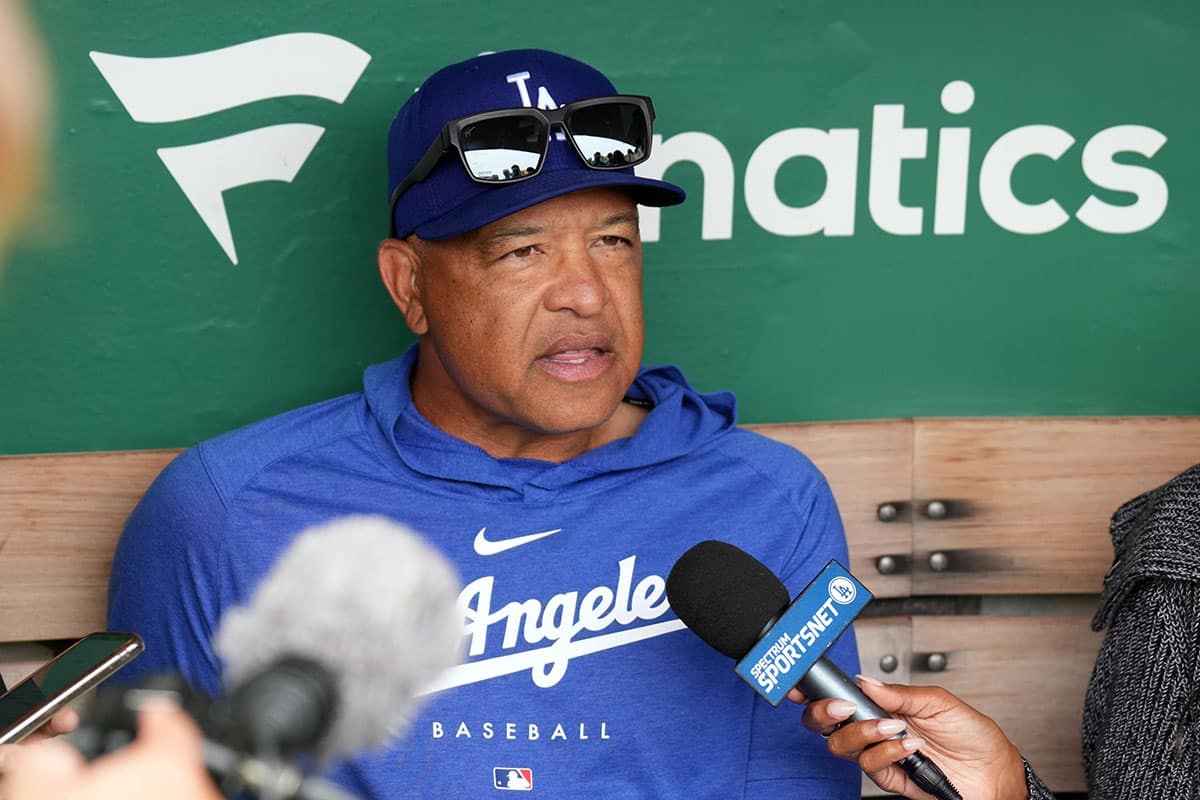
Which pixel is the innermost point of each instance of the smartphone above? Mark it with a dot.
(31, 703)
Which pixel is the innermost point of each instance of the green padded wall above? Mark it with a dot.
(1040, 258)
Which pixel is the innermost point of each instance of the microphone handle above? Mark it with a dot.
(245, 775)
(826, 680)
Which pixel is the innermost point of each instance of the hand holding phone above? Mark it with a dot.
(34, 701)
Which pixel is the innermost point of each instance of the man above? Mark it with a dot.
(523, 438)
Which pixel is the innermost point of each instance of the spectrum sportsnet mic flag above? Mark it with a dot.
(803, 632)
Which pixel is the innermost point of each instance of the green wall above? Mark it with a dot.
(124, 324)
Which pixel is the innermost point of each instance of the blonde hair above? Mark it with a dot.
(22, 116)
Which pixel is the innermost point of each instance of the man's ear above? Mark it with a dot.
(400, 269)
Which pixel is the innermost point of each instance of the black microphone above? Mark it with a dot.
(731, 600)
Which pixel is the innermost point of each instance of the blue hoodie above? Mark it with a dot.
(653, 713)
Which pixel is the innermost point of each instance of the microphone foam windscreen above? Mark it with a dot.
(725, 595)
(368, 600)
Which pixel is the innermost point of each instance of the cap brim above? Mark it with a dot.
(497, 202)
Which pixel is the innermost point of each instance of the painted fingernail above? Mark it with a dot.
(868, 679)
(841, 708)
(913, 742)
(890, 727)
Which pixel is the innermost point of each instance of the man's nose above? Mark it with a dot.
(579, 284)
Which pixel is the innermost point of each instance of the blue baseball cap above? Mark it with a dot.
(448, 203)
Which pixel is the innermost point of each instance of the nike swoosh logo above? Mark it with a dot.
(487, 547)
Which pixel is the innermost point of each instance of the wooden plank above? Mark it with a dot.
(19, 659)
(1030, 498)
(880, 638)
(1030, 674)
(867, 464)
(60, 516)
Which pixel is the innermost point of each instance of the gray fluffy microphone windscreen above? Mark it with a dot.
(368, 600)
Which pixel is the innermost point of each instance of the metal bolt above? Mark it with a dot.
(886, 565)
(936, 509)
(935, 662)
(939, 561)
(887, 512)
(889, 663)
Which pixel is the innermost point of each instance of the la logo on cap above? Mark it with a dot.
(545, 101)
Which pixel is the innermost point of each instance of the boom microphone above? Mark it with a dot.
(739, 607)
(354, 621)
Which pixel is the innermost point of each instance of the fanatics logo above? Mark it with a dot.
(512, 779)
(185, 87)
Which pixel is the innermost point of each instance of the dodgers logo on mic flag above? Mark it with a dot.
(803, 632)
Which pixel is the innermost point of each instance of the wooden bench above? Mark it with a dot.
(985, 542)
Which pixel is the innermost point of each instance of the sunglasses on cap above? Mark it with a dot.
(509, 145)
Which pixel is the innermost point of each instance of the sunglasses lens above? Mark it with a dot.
(610, 135)
(503, 148)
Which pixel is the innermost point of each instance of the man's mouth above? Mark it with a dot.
(575, 356)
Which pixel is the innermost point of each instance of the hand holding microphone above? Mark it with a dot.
(163, 761)
(968, 745)
(737, 605)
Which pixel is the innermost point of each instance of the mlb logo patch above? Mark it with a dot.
(512, 779)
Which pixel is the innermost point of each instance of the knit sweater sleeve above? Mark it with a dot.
(1037, 789)
(1141, 736)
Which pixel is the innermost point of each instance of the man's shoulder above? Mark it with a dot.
(767, 455)
(233, 459)
(771, 464)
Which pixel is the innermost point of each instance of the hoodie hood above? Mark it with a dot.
(681, 421)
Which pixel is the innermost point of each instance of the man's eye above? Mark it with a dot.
(613, 241)
(523, 252)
